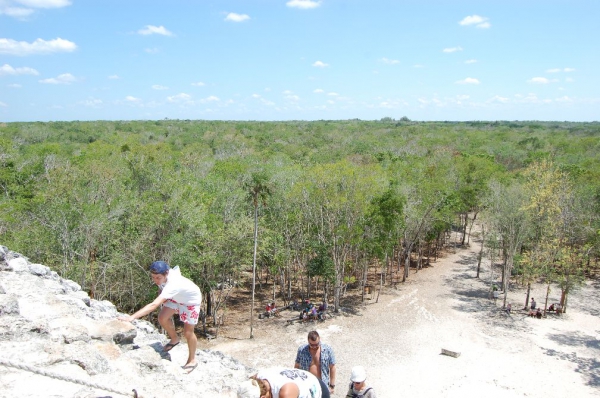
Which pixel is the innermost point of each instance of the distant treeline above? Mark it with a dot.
(98, 201)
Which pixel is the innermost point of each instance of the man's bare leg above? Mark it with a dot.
(192, 342)
(165, 319)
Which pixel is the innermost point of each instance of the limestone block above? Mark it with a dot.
(70, 285)
(9, 304)
(19, 264)
(68, 329)
(39, 269)
(117, 331)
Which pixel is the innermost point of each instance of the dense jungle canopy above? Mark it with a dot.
(98, 201)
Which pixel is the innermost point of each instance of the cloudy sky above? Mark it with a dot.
(299, 59)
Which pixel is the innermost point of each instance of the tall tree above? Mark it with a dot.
(258, 190)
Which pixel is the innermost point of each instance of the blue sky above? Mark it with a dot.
(299, 60)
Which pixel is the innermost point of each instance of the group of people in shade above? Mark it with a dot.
(313, 374)
(535, 311)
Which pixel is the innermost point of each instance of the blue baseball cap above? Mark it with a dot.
(159, 267)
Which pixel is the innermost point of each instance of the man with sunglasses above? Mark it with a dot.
(317, 358)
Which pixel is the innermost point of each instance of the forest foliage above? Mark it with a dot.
(99, 201)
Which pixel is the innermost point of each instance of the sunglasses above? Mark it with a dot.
(314, 346)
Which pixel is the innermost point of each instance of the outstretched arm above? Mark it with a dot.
(148, 308)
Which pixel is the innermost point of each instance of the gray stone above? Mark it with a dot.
(70, 285)
(83, 296)
(9, 304)
(39, 269)
(18, 264)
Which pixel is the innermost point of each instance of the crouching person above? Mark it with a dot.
(178, 295)
(283, 383)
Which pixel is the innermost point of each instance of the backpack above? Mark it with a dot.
(356, 395)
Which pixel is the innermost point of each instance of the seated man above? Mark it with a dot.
(538, 313)
(313, 313)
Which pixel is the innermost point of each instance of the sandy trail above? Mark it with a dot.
(399, 339)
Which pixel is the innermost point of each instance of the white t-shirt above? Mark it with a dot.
(307, 383)
(180, 289)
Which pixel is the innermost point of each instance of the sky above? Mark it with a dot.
(427, 60)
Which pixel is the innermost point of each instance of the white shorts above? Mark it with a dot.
(187, 313)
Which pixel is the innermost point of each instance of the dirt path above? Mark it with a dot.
(399, 339)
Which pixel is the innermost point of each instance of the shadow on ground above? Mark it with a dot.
(588, 367)
(576, 339)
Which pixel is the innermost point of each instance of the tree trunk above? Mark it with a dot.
(464, 229)
(563, 299)
(471, 227)
(254, 269)
(546, 303)
(527, 295)
(480, 255)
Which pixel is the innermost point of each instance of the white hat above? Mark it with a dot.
(358, 374)
(249, 389)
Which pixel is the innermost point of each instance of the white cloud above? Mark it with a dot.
(131, 98)
(92, 102)
(333, 94)
(303, 4)
(320, 64)
(65, 78)
(114, 77)
(418, 66)
(198, 84)
(569, 80)
(263, 100)
(569, 70)
(152, 50)
(210, 98)
(318, 91)
(468, 80)
(21, 9)
(233, 17)
(151, 30)
(16, 12)
(452, 49)
(478, 21)
(497, 98)
(181, 97)
(45, 3)
(39, 46)
(390, 61)
(3, 104)
(15, 85)
(564, 99)
(6, 69)
(159, 87)
(470, 61)
(553, 70)
(538, 80)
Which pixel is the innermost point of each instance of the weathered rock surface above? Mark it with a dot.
(55, 341)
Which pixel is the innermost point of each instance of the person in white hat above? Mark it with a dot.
(358, 388)
(283, 383)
